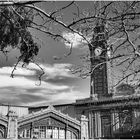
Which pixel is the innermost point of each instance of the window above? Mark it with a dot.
(61, 134)
(28, 133)
(106, 124)
(49, 132)
(69, 135)
(42, 131)
(55, 133)
(36, 132)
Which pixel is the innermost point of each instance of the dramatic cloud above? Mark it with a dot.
(19, 99)
(18, 71)
(19, 82)
(53, 71)
(61, 98)
(23, 89)
(74, 39)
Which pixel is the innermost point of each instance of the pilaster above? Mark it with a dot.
(90, 125)
(84, 127)
(116, 121)
(97, 125)
(12, 125)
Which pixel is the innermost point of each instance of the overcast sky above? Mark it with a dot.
(58, 85)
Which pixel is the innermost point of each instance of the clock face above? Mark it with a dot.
(98, 51)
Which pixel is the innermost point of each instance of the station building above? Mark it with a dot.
(101, 115)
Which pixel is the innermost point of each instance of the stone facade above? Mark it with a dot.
(46, 123)
(106, 118)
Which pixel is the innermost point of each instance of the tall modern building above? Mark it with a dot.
(102, 115)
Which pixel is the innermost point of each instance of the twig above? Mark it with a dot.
(126, 77)
(58, 10)
(70, 51)
(15, 66)
(127, 36)
(40, 75)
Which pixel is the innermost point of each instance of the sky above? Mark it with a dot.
(58, 85)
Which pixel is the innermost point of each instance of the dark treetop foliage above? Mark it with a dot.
(14, 32)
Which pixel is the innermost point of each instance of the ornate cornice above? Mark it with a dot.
(107, 100)
(110, 103)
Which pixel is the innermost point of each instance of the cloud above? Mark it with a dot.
(72, 94)
(61, 98)
(13, 90)
(19, 99)
(54, 71)
(59, 70)
(22, 89)
(19, 71)
(22, 82)
(74, 39)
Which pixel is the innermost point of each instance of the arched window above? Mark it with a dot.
(2, 132)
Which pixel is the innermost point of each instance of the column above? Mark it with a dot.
(84, 127)
(135, 117)
(112, 123)
(115, 121)
(12, 125)
(98, 124)
(90, 125)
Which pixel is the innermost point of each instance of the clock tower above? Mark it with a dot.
(98, 53)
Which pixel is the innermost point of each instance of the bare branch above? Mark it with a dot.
(15, 66)
(59, 10)
(128, 38)
(40, 75)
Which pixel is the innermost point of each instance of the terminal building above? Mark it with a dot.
(102, 115)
